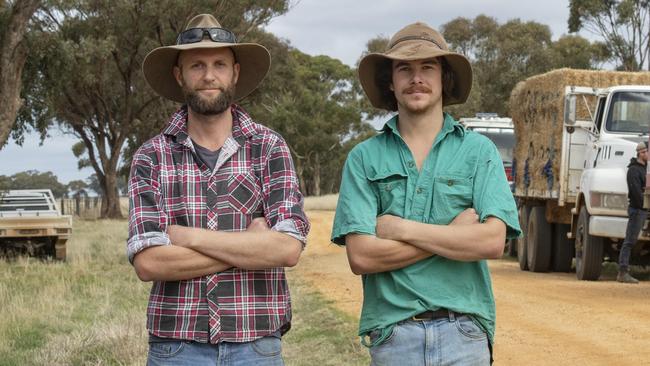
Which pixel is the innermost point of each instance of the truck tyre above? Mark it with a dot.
(562, 255)
(538, 240)
(521, 242)
(589, 250)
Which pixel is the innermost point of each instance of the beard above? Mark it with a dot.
(209, 107)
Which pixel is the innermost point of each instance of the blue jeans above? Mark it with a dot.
(265, 351)
(634, 226)
(456, 340)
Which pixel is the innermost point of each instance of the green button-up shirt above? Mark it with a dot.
(463, 169)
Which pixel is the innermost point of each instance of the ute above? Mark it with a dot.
(30, 224)
(500, 130)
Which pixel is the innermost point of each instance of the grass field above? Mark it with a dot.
(90, 310)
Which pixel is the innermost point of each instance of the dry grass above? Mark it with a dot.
(90, 310)
(321, 203)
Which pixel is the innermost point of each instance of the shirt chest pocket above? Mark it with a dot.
(392, 192)
(451, 195)
(244, 193)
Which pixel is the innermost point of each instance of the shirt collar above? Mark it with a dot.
(243, 126)
(449, 124)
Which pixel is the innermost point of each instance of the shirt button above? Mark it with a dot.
(419, 190)
(411, 164)
(450, 182)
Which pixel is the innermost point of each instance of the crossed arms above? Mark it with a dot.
(198, 252)
(400, 242)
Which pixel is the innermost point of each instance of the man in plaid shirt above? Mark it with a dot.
(216, 212)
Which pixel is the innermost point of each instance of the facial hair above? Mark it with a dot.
(209, 107)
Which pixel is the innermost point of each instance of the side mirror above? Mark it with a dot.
(570, 110)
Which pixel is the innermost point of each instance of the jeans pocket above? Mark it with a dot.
(165, 349)
(267, 346)
(469, 329)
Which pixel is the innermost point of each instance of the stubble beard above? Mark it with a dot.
(209, 107)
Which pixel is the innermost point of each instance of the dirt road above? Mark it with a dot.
(542, 319)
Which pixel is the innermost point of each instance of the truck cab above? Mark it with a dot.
(596, 153)
(501, 131)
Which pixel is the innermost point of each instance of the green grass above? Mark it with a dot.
(90, 310)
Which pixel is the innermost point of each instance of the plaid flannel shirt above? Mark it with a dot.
(254, 176)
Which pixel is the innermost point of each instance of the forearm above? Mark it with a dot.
(459, 242)
(248, 249)
(175, 263)
(370, 254)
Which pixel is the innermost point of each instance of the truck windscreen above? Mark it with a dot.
(629, 112)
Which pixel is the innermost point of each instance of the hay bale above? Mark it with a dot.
(537, 110)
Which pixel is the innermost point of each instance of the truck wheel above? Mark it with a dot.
(562, 249)
(589, 250)
(538, 241)
(522, 257)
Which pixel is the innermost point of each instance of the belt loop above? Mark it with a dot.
(452, 316)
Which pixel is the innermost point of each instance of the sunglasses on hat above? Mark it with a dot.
(194, 35)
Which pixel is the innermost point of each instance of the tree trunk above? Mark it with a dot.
(111, 197)
(13, 53)
(317, 175)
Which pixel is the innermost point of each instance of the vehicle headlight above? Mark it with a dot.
(612, 201)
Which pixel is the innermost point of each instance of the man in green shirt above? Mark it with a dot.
(422, 205)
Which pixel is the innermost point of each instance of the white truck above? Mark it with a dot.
(500, 130)
(31, 224)
(576, 132)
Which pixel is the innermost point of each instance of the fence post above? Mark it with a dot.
(62, 206)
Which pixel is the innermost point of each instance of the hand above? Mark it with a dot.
(257, 225)
(181, 236)
(388, 227)
(467, 217)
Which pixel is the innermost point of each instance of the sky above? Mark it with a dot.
(337, 28)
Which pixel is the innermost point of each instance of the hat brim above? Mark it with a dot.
(370, 65)
(158, 65)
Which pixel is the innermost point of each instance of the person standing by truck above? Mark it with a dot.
(636, 172)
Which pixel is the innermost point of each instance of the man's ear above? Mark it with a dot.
(178, 75)
(391, 87)
(235, 72)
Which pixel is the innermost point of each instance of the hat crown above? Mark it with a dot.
(643, 145)
(203, 21)
(418, 32)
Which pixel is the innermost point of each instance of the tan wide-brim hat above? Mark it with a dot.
(158, 65)
(416, 41)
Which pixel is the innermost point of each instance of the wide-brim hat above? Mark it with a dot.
(416, 41)
(254, 61)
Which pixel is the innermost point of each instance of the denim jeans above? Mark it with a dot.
(635, 223)
(265, 351)
(456, 340)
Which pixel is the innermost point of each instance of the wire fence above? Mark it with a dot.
(85, 207)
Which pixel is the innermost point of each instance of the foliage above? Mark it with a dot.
(14, 23)
(622, 24)
(33, 179)
(87, 76)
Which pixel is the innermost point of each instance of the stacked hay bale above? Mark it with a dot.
(537, 110)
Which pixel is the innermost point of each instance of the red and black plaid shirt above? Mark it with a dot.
(254, 176)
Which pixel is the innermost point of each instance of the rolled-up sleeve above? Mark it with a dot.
(356, 210)
(147, 221)
(283, 201)
(491, 193)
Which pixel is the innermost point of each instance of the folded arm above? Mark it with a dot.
(384, 252)
(462, 242)
(174, 263)
(256, 248)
